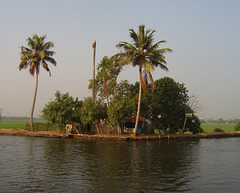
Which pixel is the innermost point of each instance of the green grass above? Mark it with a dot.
(12, 124)
(209, 127)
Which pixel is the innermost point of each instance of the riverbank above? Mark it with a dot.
(20, 132)
(124, 137)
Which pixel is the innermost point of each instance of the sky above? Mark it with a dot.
(204, 37)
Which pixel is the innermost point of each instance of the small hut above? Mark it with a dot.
(128, 126)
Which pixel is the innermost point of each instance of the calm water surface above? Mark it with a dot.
(65, 165)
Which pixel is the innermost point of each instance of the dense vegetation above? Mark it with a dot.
(164, 107)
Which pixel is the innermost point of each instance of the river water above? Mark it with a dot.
(68, 165)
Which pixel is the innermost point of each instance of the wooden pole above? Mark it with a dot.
(93, 80)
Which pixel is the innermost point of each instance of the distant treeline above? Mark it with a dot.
(220, 120)
(8, 118)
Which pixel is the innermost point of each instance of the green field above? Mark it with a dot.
(10, 124)
(209, 127)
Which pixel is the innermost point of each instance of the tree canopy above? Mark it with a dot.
(63, 110)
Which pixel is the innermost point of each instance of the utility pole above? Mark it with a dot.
(93, 80)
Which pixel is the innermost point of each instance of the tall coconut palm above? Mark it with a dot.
(145, 54)
(37, 54)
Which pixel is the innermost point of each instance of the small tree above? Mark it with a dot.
(120, 108)
(237, 127)
(167, 104)
(92, 112)
(106, 79)
(193, 106)
(63, 110)
(193, 125)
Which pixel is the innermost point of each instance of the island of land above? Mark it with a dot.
(123, 137)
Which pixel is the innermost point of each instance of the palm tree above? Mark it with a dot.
(145, 54)
(36, 54)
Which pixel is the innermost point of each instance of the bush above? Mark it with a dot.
(41, 126)
(237, 127)
(218, 130)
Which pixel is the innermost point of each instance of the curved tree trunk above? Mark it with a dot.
(119, 129)
(184, 124)
(34, 102)
(97, 128)
(139, 101)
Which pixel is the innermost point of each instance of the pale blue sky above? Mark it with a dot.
(204, 36)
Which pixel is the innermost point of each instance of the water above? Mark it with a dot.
(65, 165)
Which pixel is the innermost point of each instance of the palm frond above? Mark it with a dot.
(51, 60)
(45, 66)
(47, 45)
(125, 46)
(134, 35)
(35, 54)
(143, 82)
(49, 53)
(143, 52)
(151, 80)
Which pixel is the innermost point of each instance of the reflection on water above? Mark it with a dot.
(64, 165)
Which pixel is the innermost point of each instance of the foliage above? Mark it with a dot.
(121, 107)
(193, 125)
(92, 111)
(165, 105)
(38, 53)
(106, 79)
(237, 127)
(63, 110)
(43, 126)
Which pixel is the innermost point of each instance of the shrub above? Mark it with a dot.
(41, 126)
(218, 130)
(237, 127)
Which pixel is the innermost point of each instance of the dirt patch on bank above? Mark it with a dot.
(20, 132)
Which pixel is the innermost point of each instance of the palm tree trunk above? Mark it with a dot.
(97, 128)
(119, 129)
(34, 102)
(184, 124)
(139, 101)
(93, 80)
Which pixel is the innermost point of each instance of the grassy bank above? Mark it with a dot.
(10, 124)
(209, 127)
